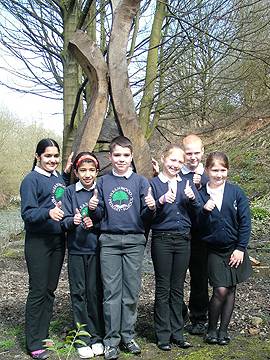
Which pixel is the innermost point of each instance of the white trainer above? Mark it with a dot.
(85, 352)
(98, 349)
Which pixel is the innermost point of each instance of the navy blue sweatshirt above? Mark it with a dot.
(231, 226)
(121, 207)
(39, 194)
(80, 240)
(174, 217)
(188, 175)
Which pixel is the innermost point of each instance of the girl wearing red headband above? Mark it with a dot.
(83, 254)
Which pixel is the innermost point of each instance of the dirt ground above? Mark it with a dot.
(249, 329)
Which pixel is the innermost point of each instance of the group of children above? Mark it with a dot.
(199, 222)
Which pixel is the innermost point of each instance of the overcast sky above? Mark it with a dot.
(29, 108)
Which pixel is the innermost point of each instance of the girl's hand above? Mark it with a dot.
(189, 192)
(93, 202)
(149, 200)
(88, 223)
(56, 213)
(69, 164)
(169, 197)
(210, 205)
(77, 218)
(236, 258)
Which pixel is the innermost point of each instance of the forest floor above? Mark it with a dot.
(249, 329)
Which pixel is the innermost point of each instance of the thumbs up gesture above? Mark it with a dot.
(77, 217)
(93, 202)
(57, 213)
(209, 205)
(168, 197)
(149, 200)
(197, 178)
(188, 191)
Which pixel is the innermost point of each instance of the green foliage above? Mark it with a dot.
(65, 348)
(17, 149)
(259, 213)
(7, 344)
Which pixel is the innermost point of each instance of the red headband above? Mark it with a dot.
(86, 157)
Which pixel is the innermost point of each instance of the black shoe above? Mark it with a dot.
(211, 339)
(223, 340)
(182, 344)
(132, 347)
(165, 347)
(111, 352)
(197, 329)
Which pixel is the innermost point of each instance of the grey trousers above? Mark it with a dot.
(121, 259)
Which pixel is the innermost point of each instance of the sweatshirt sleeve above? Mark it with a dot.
(31, 211)
(244, 220)
(68, 221)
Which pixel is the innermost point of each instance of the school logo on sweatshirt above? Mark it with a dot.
(57, 193)
(84, 210)
(120, 199)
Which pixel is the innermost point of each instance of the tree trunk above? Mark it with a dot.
(91, 60)
(121, 93)
(152, 67)
(72, 75)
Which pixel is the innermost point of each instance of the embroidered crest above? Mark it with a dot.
(57, 193)
(120, 199)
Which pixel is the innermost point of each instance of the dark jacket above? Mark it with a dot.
(231, 226)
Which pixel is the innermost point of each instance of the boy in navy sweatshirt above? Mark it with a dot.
(122, 202)
(83, 255)
(194, 171)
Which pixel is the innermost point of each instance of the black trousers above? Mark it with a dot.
(170, 255)
(198, 298)
(44, 256)
(86, 295)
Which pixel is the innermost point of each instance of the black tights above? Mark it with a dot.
(221, 306)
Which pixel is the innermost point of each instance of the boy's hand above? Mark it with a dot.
(236, 258)
(149, 200)
(155, 167)
(197, 180)
(77, 217)
(56, 213)
(210, 205)
(188, 191)
(69, 164)
(93, 202)
(88, 223)
(169, 197)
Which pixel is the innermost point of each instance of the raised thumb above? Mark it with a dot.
(77, 211)
(59, 204)
(95, 193)
(187, 184)
(149, 193)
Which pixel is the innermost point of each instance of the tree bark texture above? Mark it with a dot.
(120, 89)
(152, 68)
(92, 62)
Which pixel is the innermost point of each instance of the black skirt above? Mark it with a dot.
(221, 274)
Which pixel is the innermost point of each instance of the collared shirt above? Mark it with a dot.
(126, 175)
(44, 172)
(199, 170)
(216, 194)
(79, 186)
(172, 183)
